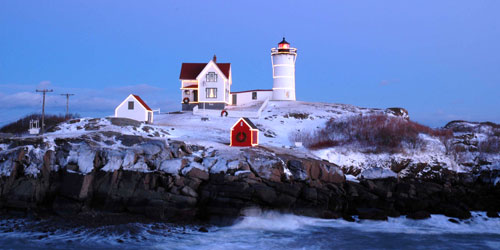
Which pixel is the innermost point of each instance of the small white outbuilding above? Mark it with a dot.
(134, 107)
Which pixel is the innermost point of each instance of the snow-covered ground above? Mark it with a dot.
(281, 120)
(278, 124)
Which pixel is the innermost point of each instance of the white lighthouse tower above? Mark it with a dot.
(283, 60)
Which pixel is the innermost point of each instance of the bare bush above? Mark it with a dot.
(490, 145)
(22, 125)
(379, 132)
(300, 116)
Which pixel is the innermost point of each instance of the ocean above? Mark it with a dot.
(269, 230)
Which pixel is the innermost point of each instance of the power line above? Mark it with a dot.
(67, 104)
(44, 91)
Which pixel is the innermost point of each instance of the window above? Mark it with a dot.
(211, 77)
(187, 92)
(130, 105)
(211, 92)
(254, 95)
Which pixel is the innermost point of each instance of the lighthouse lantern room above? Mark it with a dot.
(283, 61)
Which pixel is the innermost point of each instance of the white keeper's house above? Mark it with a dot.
(133, 107)
(208, 85)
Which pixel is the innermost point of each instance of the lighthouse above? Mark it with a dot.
(283, 61)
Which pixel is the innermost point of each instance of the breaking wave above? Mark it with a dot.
(259, 230)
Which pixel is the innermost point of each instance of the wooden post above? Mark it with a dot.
(67, 104)
(44, 91)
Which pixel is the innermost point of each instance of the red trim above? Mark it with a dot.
(142, 102)
(194, 86)
(255, 90)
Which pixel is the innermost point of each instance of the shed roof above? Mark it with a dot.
(250, 123)
(142, 102)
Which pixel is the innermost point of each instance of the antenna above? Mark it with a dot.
(67, 104)
(44, 91)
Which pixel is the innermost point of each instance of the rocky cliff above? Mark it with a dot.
(101, 175)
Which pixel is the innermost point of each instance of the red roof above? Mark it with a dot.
(194, 86)
(189, 71)
(142, 102)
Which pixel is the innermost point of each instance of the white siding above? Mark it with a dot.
(221, 85)
(246, 97)
(283, 76)
(139, 113)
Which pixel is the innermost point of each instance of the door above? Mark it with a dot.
(195, 95)
(234, 99)
(150, 117)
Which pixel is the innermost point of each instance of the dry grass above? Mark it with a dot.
(21, 126)
(380, 133)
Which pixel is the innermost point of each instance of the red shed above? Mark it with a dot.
(244, 134)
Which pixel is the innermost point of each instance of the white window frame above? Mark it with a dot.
(211, 77)
(211, 93)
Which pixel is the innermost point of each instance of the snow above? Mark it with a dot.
(86, 158)
(6, 167)
(139, 166)
(496, 181)
(115, 161)
(32, 170)
(233, 165)
(240, 172)
(190, 128)
(129, 159)
(219, 167)
(378, 173)
(350, 177)
(279, 122)
(172, 166)
(192, 165)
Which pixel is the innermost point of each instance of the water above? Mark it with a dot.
(260, 231)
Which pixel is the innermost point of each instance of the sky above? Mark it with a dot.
(438, 59)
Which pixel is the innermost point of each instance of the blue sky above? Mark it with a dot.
(438, 59)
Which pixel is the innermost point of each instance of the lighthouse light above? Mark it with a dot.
(283, 46)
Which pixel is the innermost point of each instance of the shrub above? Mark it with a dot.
(300, 116)
(21, 126)
(379, 132)
(490, 145)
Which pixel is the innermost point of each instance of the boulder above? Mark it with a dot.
(122, 122)
(401, 112)
(455, 212)
(194, 172)
(264, 193)
(492, 214)
(371, 214)
(419, 215)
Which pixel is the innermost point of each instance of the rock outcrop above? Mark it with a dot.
(129, 175)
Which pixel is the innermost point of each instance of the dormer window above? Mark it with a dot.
(211, 77)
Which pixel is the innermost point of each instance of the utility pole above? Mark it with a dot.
(67, 104)
(44, 91)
